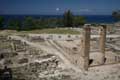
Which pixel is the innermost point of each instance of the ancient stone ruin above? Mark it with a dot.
(58, 56)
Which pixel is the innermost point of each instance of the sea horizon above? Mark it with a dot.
(89, 18)
(58, 14)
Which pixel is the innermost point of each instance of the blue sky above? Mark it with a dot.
(58, 6)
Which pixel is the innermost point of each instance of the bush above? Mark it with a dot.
(79, 20)
(28, 23)
(14, 24)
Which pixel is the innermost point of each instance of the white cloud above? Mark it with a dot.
(57, 9)
(85, 10)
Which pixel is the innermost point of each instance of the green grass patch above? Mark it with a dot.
(52, 31)
(47, 31)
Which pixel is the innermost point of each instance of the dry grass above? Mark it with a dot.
(47, 31)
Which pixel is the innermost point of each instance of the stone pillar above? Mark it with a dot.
(86, 47)
(102, 43)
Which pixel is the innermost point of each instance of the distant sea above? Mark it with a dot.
(89, 18)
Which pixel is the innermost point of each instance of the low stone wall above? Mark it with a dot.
(54, 36)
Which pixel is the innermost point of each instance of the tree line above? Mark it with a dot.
(29, 23)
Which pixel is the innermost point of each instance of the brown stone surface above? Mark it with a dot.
(102, 43)
(86, 47)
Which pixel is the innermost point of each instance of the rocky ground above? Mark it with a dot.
(31, 57)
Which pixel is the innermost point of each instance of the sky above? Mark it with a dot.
(57, 7)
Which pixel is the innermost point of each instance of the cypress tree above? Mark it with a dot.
(68, 19)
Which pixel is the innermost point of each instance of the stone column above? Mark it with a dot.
(86, 47)
(102, 43)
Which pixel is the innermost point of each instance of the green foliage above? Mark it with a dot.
(1, 22)
(46, 23)
(68, 19)
(116, 14)
(43, 23)
(49, 23)
(39, 23)
(59, 22)
(14, 24)
(79, 20)
(28, 23)
(53, 31)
